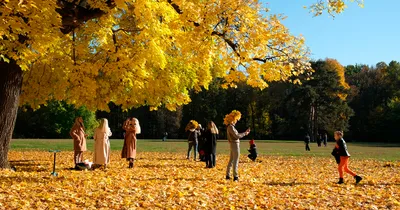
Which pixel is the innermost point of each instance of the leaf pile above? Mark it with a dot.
(169, 181)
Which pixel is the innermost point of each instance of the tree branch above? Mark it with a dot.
(229, 42)
(77, 12)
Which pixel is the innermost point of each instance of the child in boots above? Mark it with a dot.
(252, 150)
(343, 162)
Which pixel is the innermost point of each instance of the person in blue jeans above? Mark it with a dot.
(233, 138)
(192, 138)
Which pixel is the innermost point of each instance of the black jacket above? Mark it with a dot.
(253, 150)
(342, 150)
(307, 139)
(193, 136)
(211, 142)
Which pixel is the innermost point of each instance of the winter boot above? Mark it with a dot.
(358, 179)
(340, 181)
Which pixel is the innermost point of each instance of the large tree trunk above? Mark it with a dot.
(10, 89)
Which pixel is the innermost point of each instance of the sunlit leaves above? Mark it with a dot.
(169, 181)
(147, 52)
(333, 7)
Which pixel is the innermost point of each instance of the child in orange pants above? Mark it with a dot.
(343, 165)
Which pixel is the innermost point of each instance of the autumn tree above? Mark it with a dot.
(91, 52)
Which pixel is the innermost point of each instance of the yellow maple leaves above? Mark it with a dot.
(147, 52)
(169, 181)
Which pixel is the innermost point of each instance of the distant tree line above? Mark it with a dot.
(362, 100)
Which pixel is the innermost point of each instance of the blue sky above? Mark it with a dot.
(359, 35)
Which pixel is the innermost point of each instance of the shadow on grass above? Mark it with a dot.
(168, 179)
(29, 165)
(377, 184)
(11, 179)
(389, 145)
(288, 183)
(161, 166)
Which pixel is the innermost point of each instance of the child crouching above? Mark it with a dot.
(252, 150)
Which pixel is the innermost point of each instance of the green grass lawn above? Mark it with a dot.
(377, 151)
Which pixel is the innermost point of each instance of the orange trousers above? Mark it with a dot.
(344, 166)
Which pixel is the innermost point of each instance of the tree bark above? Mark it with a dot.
(10, 90)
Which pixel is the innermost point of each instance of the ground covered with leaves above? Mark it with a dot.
(169, 181)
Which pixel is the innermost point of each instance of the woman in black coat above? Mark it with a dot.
(211, 136)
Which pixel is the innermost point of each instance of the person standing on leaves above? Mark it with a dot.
(131, 127)
(211, 136)
(191, 127)
(230, 121)
(343, 165)
(307, 142)
(319, 140)
(201, 143)
(78, 135)
(102, 144)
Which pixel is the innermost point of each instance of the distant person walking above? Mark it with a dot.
(211, 136)
(193, 134)
(165, 136)
(325, 139)
(319, 140)
(131, 127)
(230, 121)
(79, 136)
(102, 143)
(307, 142)
(343, 165)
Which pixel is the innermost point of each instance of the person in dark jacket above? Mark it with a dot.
(202, 141)
(211, 136)
(252, 150)
(341, 151)
(319, 140)
(307, 142)
(192, 138)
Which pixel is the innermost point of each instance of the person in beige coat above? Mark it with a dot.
(131, 127)
(234, 142)
(102, 143)
(78, 135)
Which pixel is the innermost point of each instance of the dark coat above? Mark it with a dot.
(211, 142)
(193, 136)
(253, 150)
(342, 148)
(307, 139)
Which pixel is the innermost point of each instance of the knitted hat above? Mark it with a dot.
(251, 142)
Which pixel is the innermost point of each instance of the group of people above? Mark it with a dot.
(320, 139)
(195, 131)
(202, 141)
(102, 143)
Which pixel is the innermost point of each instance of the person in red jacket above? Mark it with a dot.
(341, 151)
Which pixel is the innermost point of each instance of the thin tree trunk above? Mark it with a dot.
(253, 116)
(10, 89)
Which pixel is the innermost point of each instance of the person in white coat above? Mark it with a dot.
(102, 143)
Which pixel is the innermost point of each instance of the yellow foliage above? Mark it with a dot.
(340, 70)
(193, 124)
(147, 52)
(169, 181)
(331, 6)
(231, 117)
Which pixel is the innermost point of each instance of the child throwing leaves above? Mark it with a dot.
(252, 150)
(341, 151)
